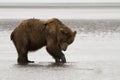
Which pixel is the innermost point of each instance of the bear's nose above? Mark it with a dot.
(65, 49)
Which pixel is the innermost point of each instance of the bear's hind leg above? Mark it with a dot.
(22, 55)
(22, 58)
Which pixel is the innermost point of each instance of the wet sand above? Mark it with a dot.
(93, 56)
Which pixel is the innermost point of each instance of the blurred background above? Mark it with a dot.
(94, 55)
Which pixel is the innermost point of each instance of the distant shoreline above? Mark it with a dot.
(60, 10)
(59, 5)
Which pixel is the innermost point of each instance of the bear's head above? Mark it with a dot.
(64, 35)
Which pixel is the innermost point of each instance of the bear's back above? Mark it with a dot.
(31, 24)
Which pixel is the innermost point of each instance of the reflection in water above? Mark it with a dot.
(54, 66)
(47, 65)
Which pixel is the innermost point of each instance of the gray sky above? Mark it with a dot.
(58, 1)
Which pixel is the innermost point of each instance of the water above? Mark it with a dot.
(94, 55)
(63, 13)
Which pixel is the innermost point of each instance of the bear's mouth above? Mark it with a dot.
(64, 46)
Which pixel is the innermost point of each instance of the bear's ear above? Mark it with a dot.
(74, 33)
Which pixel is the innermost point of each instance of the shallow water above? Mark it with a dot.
(70, 71)
(94, 55)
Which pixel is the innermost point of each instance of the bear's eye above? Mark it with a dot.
(66, 39)
(68, 36)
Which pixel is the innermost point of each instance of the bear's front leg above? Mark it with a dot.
(63, 59)
(60, 58)
(54, 50)
(57, 60)
(56, 54)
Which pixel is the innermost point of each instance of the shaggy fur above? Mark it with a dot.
(33, 34)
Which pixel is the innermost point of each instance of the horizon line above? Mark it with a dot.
(59, 5)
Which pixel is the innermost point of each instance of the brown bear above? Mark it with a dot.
(33, 34)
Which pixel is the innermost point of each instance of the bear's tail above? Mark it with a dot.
(12, 35)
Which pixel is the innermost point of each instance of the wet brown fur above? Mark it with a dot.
(33, 34)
